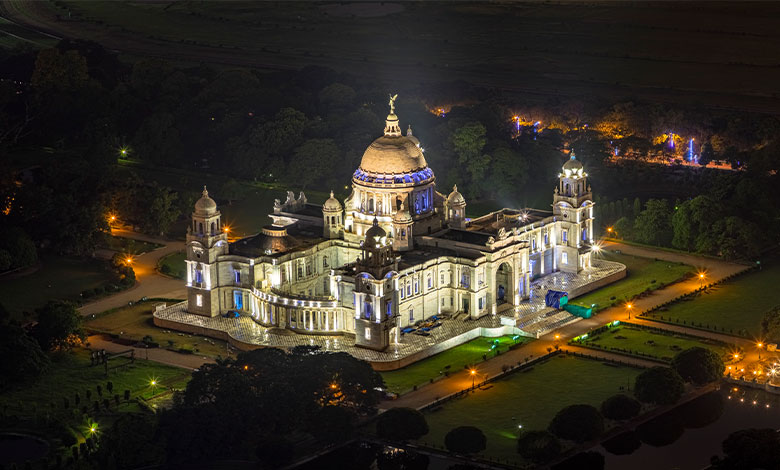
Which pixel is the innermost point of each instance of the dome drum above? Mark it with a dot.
(394, 179)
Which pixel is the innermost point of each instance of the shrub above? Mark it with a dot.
(402, 424)
(659, 385)
(577, 423)
(538, 446)
(698, 365)
(465, 440)
(620, 406)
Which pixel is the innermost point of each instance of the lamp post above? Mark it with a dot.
(629, 307)
(759, 345)
(473, 376)
(701, 280)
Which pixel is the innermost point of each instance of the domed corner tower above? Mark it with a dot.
(332, 218)
(573, 207)
(455, 208)
(206, 240)
(403, 240)
(376, 305)
(393, 170)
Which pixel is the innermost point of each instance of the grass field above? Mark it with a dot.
(129, 245)
(71, 373)
(173, 265)
(419, 373)
(652, 343)
(640, 274)
(735, 305)
(529, 398)
(136, 321)
(59, 277)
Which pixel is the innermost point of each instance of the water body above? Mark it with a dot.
(19, 448)
(688, 436)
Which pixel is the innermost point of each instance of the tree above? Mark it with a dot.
(333, 423)
(131, 442)
(23, 358)
(623, 228)
(17, 247)
(160, 210)
(770, 325)
(659, 385)
(538, 446)
(58, 327)
(336, 97)
(653, 225)
(313, 161)
(620, 406)
(401, 424)
(577, 423)
(465, 440)
(56, 71)
(707, 154)
(637, 208)
(468, 142)
(509, 171)
(751, 448)
(698, 365)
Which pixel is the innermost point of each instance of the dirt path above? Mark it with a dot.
(149, 283)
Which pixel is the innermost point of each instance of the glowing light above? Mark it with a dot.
(226, 229)
(473, 372)
(129, 260)
(246, 367)
(153, 382)
(334, 386)
(760, 345)
(736, 356)
(609, 229)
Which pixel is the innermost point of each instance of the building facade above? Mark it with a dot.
(395, 252)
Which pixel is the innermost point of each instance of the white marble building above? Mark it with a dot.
(395, 252)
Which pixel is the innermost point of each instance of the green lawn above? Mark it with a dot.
(654, 343)
(58, 278)
(129, 245)
(136, 321)
(71, 373)
(174, 265)
(640, 274)
(402, 380)
(529, 398)
(734, 305)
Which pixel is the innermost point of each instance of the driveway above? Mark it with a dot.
(149, 283)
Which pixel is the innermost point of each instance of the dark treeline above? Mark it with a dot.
(69, 113)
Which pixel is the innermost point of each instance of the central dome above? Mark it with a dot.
(392, 155)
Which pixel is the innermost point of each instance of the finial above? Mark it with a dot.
(331, 194)
(572, 155)
(376, 221)
(409, 130)
(392, 103)
(205, 192)
(454, 188)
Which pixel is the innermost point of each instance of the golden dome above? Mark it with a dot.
(205, 205)
(392, 155)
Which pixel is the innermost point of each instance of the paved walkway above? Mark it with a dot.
(715, 270)
(186, 361)
(149, 283)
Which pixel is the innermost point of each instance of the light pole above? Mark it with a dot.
(701, 280)
(629, 307)
(473, 376)
(759, 346)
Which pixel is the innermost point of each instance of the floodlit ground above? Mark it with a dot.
(735, 305)
(467, 354)
(642, 274)
(173, 265)
(58, 277)
(135, 322)
(653, 343)
(529, 399)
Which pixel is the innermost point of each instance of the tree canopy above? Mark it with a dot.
(401, 424)
(59, 326)
(770, 325)
(577, 423)
(620, 406)
(659, 385)
(465, 440)
(698, 365)
(538, 446)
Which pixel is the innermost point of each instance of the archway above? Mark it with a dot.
(504, 284)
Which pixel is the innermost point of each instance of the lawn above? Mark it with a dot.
(528, 398)
(641, 274)
(59, 277)
(135, 322)
(173, 265)
(652, 343)
(421, 372)
(129, 245)
(71, 373)
(738, 304)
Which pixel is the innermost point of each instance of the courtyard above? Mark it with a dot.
(528, 398)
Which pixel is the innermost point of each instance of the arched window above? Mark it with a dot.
(371, 205)
(567, 189)
(213, 228)
(324, 261)
(200, 228)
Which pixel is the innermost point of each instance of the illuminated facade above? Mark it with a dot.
(396, 252)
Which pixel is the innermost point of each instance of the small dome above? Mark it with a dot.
(411, 136)
(332, 204)
(376, 232)
(205, 205)
(456, 199)
(572, 164)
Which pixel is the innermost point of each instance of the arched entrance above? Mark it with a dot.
(504, 284)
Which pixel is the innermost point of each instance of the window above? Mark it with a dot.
(481, 303)
(300, 271)
(408, 288)
(416, 287)
(199, 300)
(237, 275)
(565, 236)
(465, 280)
(584, 234)
(442, 279)
(442, 301)
(402, 292)
(565, 258)
(430, 281)
(389, 309)
(411, 315)
(308, 269)
(367, 310)
(546, 239)
(368, 333)
(199, 276)
(324, 261)
(533, 244)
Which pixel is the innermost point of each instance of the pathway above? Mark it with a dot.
(186, 361)
(715, 269)
(149, 283)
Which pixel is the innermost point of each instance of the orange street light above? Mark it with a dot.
(701, 279)
(226, 229)
(629, 307)
(334, 386)
(473, 376)
(129, 260)
(759, 346)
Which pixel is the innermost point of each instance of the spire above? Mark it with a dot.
(205, 192)
(572, 155)
(409, 130)
(376, 222)
(454, 188)
(391, 123)
(331, 193)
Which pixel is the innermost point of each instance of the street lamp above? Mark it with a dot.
(473, 376)
(759, 345)
(629, 307)
(701, 280)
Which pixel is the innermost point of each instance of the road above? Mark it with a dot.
(149, 283)
(715, 269)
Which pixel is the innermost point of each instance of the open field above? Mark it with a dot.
(173, 265)
(134, 322)
(663, 346)
(641, 274)
(528, 398)
(419, 373)
(734, 306)
(59, 277)
(643, 49)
